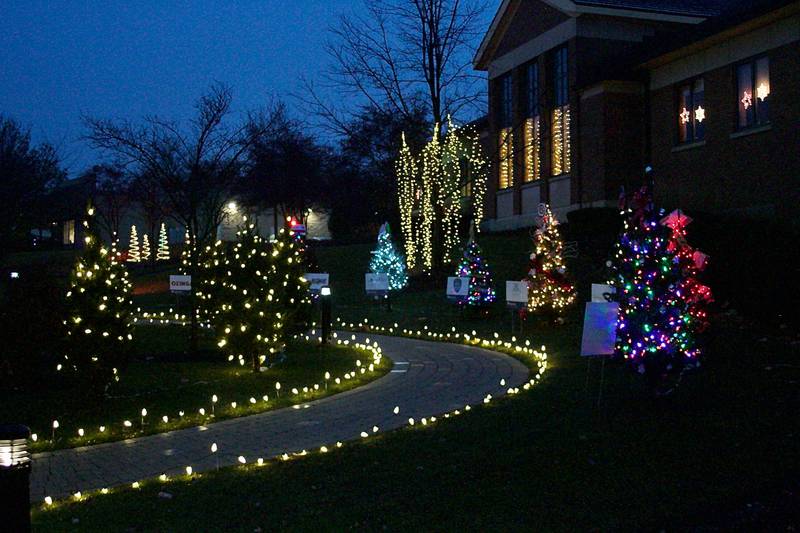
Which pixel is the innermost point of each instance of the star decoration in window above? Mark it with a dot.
(762, 91)
(747, 100)
(699, 114)
(685, 116)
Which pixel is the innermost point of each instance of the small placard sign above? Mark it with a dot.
(457, 287)
(599, 328)
(180, 283)
(599, 292)
(317, 280)
(516, 292)
(376, 283)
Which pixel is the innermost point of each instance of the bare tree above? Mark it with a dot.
(111, 196)
(195, 168)
(403, 54)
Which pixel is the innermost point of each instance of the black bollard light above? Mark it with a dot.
(325, 302)
(15, 472)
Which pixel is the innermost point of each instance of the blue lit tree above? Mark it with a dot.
(387, 260)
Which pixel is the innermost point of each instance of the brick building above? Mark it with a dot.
(584, 94)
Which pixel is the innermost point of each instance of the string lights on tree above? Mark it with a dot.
(99, 321)
(549, 289)
(387, 260)
(662, 304)
(162, 254)
(407, 191)
(133, 246)
(473, 265)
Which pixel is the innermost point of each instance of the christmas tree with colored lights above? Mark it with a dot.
(248, 313)
(162, 253)
(549, 290)
(473, 265)
(288, 268)
(99, 324)
(662, 304)
(387, 260)
(133, 247)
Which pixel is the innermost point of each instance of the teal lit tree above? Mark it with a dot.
(473, 265)
(387, 260)
(662, 304)
(99, 324)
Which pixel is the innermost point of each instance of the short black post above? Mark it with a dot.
(15, 472)
(325, 302)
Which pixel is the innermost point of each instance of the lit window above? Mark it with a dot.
(531, 131)
(69, 232)
(691, 112)
(506, 137)
(561, 149)
(752, 81)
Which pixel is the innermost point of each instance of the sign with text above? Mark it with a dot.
(457, 287)
(317, 280)
(599, 292)
(180, 283)
(599, 328)
(516, 292)
(376, 283)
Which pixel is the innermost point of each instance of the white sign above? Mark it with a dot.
(376, 282)
(517, 292)
(598, 290)
(458, 287)
(180, 283)
(317, 280)
(599, 328)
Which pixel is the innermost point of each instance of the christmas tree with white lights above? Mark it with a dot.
(133, 246)
(162, 254)
(145, 255)
(98, 325)
(387, 260)
(549, 290)
(286, 277)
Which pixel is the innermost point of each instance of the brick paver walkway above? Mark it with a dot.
(427, 379)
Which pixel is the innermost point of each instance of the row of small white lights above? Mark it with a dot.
(540, 357)
(372, 348)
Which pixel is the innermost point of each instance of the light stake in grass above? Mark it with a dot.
(278, 389)
(214, 451)
(327, 377)
(213, 403)
(144, 414)
(55, 427)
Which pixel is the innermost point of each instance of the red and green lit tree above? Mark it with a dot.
(473, 265)
(549, 291)
(662, 304)
(99, 324)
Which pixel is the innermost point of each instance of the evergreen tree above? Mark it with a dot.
(481, 293)
(549, 289)
(99, 324)
(248, 315)
(291, 288)
(133, 246)
(162, 253)
(662, 305)
(145, 255)
(387, 260)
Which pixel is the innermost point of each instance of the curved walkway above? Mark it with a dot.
(428, 378)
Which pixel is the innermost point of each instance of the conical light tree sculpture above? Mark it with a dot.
(662, 304)
(133, 246)
(145, 255)
(387, 260)
(549, 290)
(162, 254)
(473, 265)
(99, 322)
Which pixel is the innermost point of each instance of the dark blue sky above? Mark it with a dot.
(60, 59)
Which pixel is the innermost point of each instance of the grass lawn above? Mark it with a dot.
(164, 381)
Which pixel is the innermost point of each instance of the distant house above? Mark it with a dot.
(584, 94)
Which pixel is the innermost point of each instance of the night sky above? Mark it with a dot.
(61, 59)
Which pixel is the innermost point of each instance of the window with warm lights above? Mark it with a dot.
(752, 83)
(691, 112)
(532, 126)
(506, 135)
(561, 153)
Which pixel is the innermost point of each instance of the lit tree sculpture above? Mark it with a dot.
(549, 289)
(133, 247)
(162, 254)
(387, 260)
(662, 304)
(145, 255)
(481, 292)
(99, 324)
